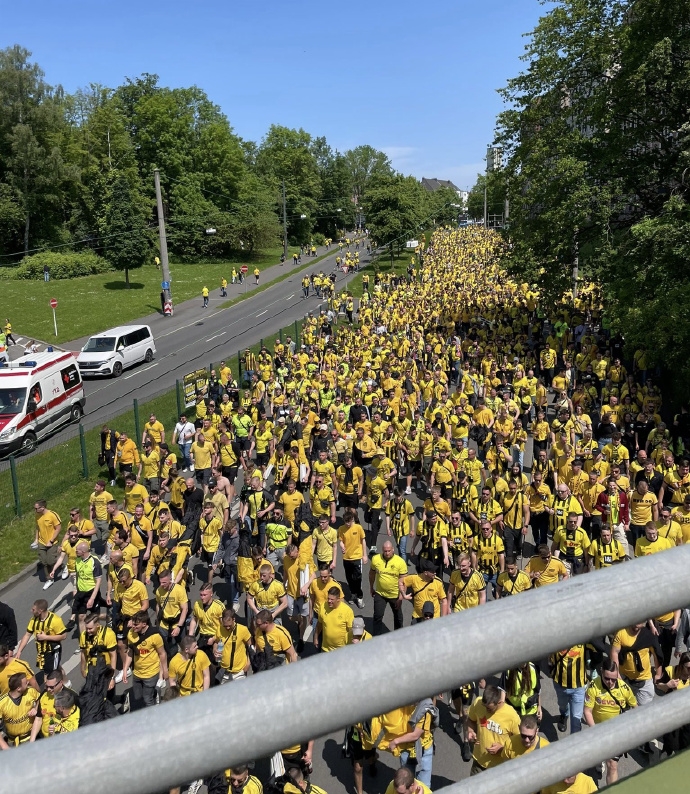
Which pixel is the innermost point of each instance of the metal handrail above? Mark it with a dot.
(189, 738)
(580, 751)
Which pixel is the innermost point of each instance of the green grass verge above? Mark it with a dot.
(93, 303)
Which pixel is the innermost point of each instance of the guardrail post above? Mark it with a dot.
(137, 424)
(15, 487)
(280, 336)
(210, 367)
(178, 398)
(84, 457)
(239, 367)
(296, 336)
(261, 343)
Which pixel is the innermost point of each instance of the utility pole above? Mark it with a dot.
(576, 266)
(285, 245)
(165, 267)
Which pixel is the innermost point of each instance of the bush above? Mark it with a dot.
(62, 265)
(318, 238)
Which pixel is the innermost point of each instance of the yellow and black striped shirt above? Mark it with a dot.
(488, 551)
(568, 667)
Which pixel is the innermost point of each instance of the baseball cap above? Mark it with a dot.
(323, 427)
(428, 608)
(358, 627)
(280, 420)
(212, 483)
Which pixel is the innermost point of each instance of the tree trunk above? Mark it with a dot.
(27, 223)
(127, 277)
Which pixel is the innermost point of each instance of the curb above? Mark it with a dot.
(18, 577)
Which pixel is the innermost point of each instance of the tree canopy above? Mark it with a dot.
(595, 137)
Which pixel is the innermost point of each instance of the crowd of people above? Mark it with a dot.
(450, 439)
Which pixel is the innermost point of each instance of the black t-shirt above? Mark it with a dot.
(193, 497)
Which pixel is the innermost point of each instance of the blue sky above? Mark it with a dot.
(415, 79)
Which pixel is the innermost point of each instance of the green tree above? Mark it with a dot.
(394, 207)
(31, 126)
(366, 164)
(287, 155)
(125, 226)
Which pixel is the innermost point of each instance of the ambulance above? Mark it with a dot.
(39, 393)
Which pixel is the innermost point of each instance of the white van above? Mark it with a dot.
(113, 351)
(39, 392)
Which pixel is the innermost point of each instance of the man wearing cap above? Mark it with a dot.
(384, 576)
(425, 590)
(359, 633)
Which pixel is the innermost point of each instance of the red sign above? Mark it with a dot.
(53, 303)
(244, 269)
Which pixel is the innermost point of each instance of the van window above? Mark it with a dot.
(12, 401)
(70, 376)
(35, 393)
(100, 344)
(134, 337)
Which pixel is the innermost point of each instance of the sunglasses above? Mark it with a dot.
(528, 737)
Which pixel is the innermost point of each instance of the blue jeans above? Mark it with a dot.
(185, 450)
(491, 580)
(420, 768)
(571, 702)
(402, 547)
(230, 572)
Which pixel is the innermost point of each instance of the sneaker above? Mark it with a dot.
(105, 559)
(408, 490)
(562, 723)
(196, 785)
(118, 677)
(64, 574)
(372, 550)
(34, 545)
(125, 702)
(68, 683)
(360, 603)
(112, 482)
(49, 583)
(191, 467)
(466, 751)
(71, 624)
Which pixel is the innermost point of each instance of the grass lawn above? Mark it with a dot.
(93, 303)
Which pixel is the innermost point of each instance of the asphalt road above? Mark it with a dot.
(195, 336)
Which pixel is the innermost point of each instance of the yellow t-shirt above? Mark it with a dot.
(492, 729)
(583, 784)
(624, 639)
(189, 673)
(351, 537)
(466, 591)
(201, 455)
(336, 625)
(388, 573)
(607, 703)
(147, 663)
(239, 637)
(136, 495)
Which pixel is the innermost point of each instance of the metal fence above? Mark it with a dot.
(256, 717)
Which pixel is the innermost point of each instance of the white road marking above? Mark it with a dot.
(139, 371)
(290, 296)
(211, 338)
(263, 312)
(72, 662)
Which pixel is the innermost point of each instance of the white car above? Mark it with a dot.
(111, 352)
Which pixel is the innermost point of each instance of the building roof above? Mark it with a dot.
(435, 184)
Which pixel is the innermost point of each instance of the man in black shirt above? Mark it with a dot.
(8, 626)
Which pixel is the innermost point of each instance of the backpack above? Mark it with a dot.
(266, 659)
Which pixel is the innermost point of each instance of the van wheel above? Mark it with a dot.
(148, 358)
(28, 443)
(117, 369)
(75, 414)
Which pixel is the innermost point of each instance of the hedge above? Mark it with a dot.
(62, 265)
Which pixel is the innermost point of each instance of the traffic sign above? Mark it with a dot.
(53, 303)
(165, 285)
(244, 269)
